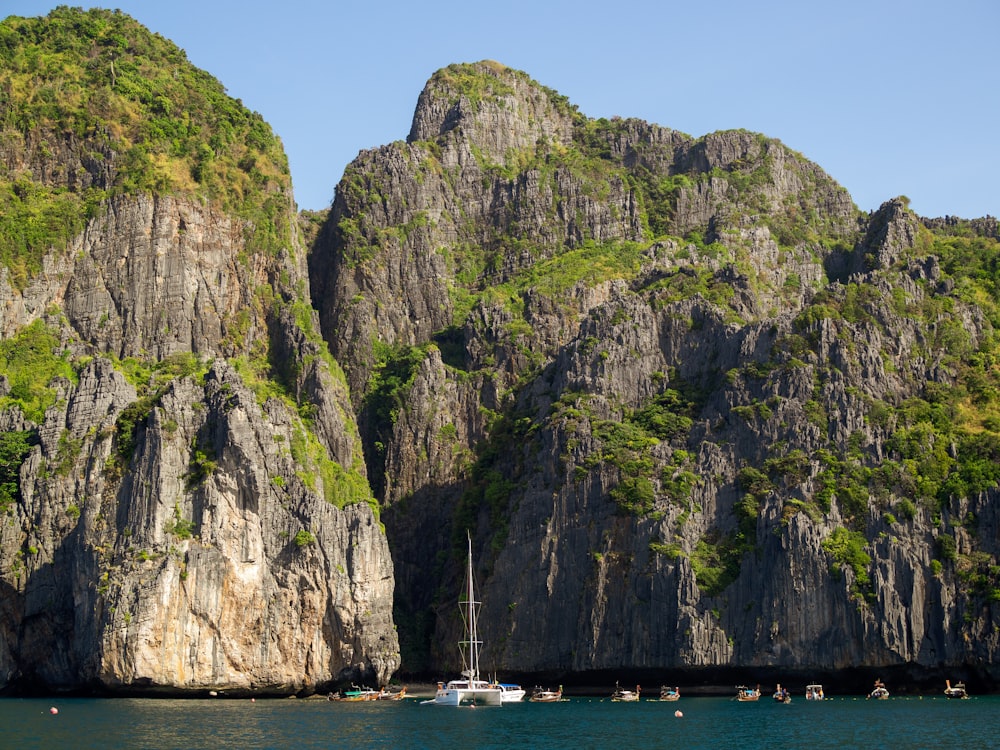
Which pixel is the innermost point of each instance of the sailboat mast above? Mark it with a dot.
(473, 632)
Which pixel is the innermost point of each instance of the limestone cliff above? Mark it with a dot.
(184, 495)
(699, 412)
(697, 409)
(202, 560)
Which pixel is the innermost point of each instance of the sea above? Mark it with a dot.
(576, 723)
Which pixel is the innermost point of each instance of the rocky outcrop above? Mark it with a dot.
(494, 109)
(153, 276)
(184, 493)
(60, 158)
(891, 233)
(388, 269)
(694, 450)
(206, 562)
(133, 563)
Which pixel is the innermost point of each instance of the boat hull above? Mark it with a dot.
(355, 696)
(463, 694)
(956, 692)
(546, 698)
(511, 693)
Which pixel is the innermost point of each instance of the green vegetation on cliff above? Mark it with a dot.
(14, 448)
(30, 361)
(92, 105)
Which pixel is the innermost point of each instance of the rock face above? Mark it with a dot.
(200, 551)
(185, 499)
(186, 572)
(152, 276)
(680, 389)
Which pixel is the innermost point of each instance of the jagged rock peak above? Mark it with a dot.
(892, 231)
(500, 109)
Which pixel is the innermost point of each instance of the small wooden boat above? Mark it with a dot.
(625, 696)
(387, 694)
(956, 691)
(669, 693)
(814, 692)
(541, 695)
(880, 692)
(745, 694)
(781, 695)
(355, 694)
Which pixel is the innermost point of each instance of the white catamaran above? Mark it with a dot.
(470, 689)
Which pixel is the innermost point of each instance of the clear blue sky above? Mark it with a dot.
(890, 97)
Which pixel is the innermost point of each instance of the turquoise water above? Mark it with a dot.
(574, 724)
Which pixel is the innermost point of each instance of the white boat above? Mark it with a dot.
(814, 692)
(470, 690)
(509, 692)
(955, 691)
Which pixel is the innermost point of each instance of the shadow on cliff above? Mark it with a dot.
(40, 630)
(421, 535)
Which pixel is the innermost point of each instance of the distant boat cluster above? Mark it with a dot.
(482, 692)
(472, 690)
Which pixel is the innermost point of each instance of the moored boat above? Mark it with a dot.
(387, 694)
(781, 695)
(509, 692)
(880, 692)
(541, 695)
(746, 694)
(814, 692)
(622, 695)
(355, 694)
(669, 693)
(956, 691)
(470, 689)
